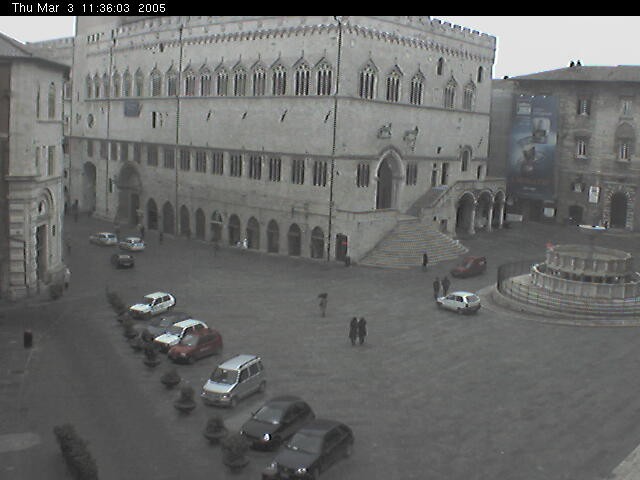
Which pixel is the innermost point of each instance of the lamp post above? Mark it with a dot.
(333, 137)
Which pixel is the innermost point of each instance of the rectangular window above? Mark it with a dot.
(412, 173)
(103, 149)
(137, 152)
(255, 167)
(89, 148)
(152, 155)
(626, 107)
(624, 150)
(275, 167)
(444, 175)
(236, 165)
(114, 151)
(584, 106)
(169, 158)
(124, 151)
(297, 171)
(581, 147)
(185, 159)
(320, 174)
(217, 163)
(362, 175)
(51, 160)
(201, 161)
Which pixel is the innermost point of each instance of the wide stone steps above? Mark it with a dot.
(403, 247)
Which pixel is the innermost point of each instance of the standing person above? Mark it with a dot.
(323, 303)
(425, 261)
(445, 285)
(353, 330)
(436, 288)
(362, 330)
(67, 277)
(160, 237)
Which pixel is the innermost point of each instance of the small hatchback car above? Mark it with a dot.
(461, 302)
(177, 332)
(153, 304)
(197, 345)
(132, 244)
(234, 379)
(469, 267)
(103, 238)
(277, 420)
(122, 260)
(313, 449)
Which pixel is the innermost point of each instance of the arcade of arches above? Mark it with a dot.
(480, 210)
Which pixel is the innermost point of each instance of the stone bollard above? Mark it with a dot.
(28, 338)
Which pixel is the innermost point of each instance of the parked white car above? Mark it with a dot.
(132, 244)
(153, 304)
(461, 302)
(103, 238)
(177, 332)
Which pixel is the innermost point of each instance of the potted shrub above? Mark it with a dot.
(129, 331)
(56, 290)
(151, 356)
(170, 378)
(79, 460)
(137, 343)
(234, 452)
(185, 402)
(215, 429)
(116, 302)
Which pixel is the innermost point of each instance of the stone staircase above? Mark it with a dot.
(403, 246)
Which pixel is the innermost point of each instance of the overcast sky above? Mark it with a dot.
(524, 44)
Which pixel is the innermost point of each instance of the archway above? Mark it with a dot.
(185, 222)
(129, 189)
(384, 193)
(342, 244)
(234, 229)
(253, 234)
(89, 186)
(168, 218)
(618, 210)
(273, 237)
(294, 240)
(317, 243)
(465, 213)
(152, 214)
(497, 217)
(199, 224)
(483, 210)
(216, 226)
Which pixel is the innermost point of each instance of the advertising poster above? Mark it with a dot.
(532, 145)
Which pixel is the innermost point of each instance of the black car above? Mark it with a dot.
(276, 420)
(160, 324)
(313, 449)
(122, 260)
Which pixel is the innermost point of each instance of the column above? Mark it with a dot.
(472, 222)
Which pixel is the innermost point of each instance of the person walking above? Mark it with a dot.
(425, 261)
(323, 303)
(353, 330)
(66, 277)
(445, 285)
(436, 288)
(160, 237)
(362, 330)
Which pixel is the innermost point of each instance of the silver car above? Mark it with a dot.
(132, 244)
(234, 379)
(103, 238)
(461, 302)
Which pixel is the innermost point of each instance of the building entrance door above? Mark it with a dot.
(618, 210)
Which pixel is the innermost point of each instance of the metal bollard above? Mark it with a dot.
(28, 338)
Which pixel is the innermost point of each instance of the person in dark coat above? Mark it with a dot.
(425, 261)
(353, 330)
(362, 330)
(323, 303)
(436, 288)
(445, 285)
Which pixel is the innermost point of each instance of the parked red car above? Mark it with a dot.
(197, 345)
(469, 267)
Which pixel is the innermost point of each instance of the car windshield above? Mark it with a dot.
(305, 443)
(189, 341)
(472, 299)
(222, 375)
(147, 301)
(174, 330)
(268, 414)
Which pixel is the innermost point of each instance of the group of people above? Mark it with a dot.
(357, 330)
(443, 285)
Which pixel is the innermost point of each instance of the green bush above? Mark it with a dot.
(79, 460)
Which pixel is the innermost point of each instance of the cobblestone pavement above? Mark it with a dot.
(431, 395)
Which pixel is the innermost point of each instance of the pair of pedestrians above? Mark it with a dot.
(357, 330)
(444, 285)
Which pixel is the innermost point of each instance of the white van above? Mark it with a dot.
(234, 379)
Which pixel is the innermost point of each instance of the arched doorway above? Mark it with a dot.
(294, 238)
(234, 229)
(385, 185)
(168, 218)
(129, 189)
(273, 237)
(342, 244)
(253, 234)
(618, 210)
(216, 226)
(152, 214)
(89, 186)
(185, 223)
(317, 243)
(498, 209)
(465, 212)
(484, 207)
(199, 224)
